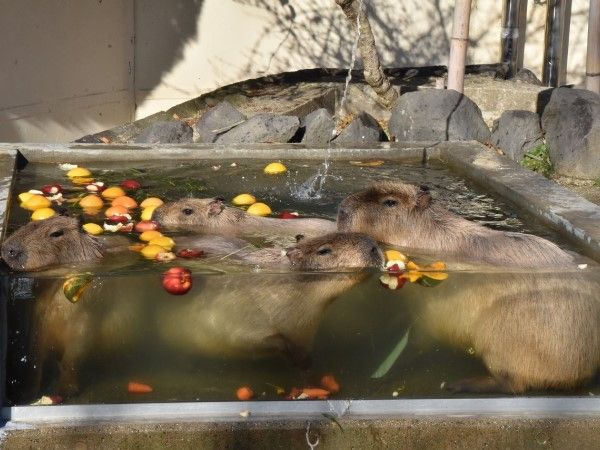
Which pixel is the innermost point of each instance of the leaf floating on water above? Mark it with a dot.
(369, 163)
(391, 359)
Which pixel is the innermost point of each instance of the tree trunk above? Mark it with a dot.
(372, 66)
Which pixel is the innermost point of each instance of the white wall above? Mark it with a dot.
(67, 65)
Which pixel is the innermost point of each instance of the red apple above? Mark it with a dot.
(177, 280)
(130, 184)
(51, 189)
(190, 253)
(145, 225)
(289, 215)
(119, 219)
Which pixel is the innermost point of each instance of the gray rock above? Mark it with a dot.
(571, 121)
(220, 117)
(319, 126)
(166, 133)
(262, 128)
(527, 76)
(517, 132)
(364, 129)
(437, 115)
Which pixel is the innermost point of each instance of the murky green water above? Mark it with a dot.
(230, 329)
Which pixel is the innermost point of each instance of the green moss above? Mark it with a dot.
(538, 160)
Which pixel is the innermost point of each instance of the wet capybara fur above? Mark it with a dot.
(406, 216)
(210, 215)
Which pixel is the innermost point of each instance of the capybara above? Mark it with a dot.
(407, 216)
(531, 330)
(210, 215)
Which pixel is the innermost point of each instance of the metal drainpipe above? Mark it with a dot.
(556, 45)
(512, 40)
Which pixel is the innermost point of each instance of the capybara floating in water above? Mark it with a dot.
(406, 216)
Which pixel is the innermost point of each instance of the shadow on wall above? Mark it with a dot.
(176, 22)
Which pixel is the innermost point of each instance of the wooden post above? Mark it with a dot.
(458, 45)
(511, 39)
(592, 79)
(556, 43)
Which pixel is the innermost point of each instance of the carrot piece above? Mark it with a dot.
(134, 387)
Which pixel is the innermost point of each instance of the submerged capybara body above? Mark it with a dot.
(531, 330)
(210, 215)
(239, 315)
(406, 216)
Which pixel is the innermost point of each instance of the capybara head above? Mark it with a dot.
(335, 251)
(195, 213)
(45, 243)
(384, 210)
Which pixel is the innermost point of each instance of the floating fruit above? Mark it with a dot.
(395, 255)
(275, 168)
(42, 213)
(115, 211)
(67, 166)
(150, 251)
(79, 172)
(288, 215)
(92, 228)
(243, 200)
(135, 387)
(113, 192)
(147, 212)
(190, 253)
(92, 211)
(151, 201)
(24, 196)
(91, 201)
(259, 209)
(119, 218)
(149, 235)
(81, 180)
(46, 400)
(112, 227)
(308, 394)
(96, 186)
(165, 256)
(74, 286)
(145, 225)
(136, 247)
(164, 241)
(244, 393)
(177, 280)
(125, 201)
(329, 382)
(51, 189)
(130, 184)
(36, 201)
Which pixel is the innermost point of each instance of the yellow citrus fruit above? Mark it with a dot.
(243, 200)
(259, 209)
(147, 212)
(91, 201)
(151, 201)
(149, 235)
(125, 201)
(92, 228)
(78, 172)
(395, 255)
(113, 192)
(150, 251)
(164, 241)
(42, 213)
(24, 196)
(275, 168)
(81, 180)
(36, 201)
(115, 211)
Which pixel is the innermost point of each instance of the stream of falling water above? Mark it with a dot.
(312, 188)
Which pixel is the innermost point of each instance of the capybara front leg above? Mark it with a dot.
(480, 385)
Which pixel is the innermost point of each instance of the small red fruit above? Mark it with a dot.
(289, 215)
(145, 225)
(190, 253)
(177, 280)
(51, 189)
(244, 393)
(118, 219)
(130, 185)
(96, 187)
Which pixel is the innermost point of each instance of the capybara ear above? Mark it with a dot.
(423, 197)
(216, 206)
(299, 237)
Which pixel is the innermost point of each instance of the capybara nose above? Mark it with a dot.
(11, 254)
(377, 255)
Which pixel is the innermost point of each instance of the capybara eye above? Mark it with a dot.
(390, 203)
(57, 233)
(324, 251)
(187, 211)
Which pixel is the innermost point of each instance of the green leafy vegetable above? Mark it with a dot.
(391, 359)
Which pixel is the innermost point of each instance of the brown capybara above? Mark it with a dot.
(253, 316)
(406, 216)
(533, 331)
(210, 215)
